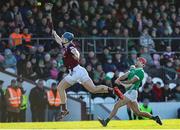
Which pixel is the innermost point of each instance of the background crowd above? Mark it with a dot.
(143, 19)
(13, 106)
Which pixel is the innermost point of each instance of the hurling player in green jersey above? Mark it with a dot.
(134, 78)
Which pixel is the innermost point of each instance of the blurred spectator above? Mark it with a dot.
(10, 60)
(43, 26)
(146, 54)
(42, 70)
(17, 54)
(94, 62)
(176, 91)
(13, 99)
(34, 63)
(59, 60)
(175, 43)
(15, 39)
(26, 36)
(177, 67)
(21, 64)
(144, 107)
(83, 61)
(168, 94)
(158, 92)
(91, 55)
(2, 103)
(75, 15)
(3, 31)
(54, 71)
(29, 71)
(32, 26)
(168, 54)
(61, 29)
(1, 61)
(6, 14)
(156, 60)
(78, 22)
(47, 61)
(53, 100)
(145, 19)
(40, 52)
(2, 43)
(99, 75)
(133, 57)
(38, 101)
(89, 70)
(170, 73)
(139, 22)
(109, 65)
(147, 92)
(24, 103)
(103, 56)
(146, 40)
(149, 80)
(120, 62)
(16, 15)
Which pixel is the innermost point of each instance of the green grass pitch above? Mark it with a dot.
(95, 125)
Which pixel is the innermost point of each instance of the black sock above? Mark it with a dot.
(153, 117)
(107, 120)
(64, 108)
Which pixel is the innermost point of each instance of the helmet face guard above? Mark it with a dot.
(64, 40)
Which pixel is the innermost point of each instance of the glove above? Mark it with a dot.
(117, 81)
(54, 32)
(125, 85)
(57, 38)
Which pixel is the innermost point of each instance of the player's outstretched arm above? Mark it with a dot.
(131, 81)
(57, 38)
(123, 77)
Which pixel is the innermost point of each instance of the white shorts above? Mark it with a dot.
(78, 75)
(132, 95)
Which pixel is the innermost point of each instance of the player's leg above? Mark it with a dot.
(90, 86)
(129, 112)
(62, 86)
(136, 110)
(118, 104)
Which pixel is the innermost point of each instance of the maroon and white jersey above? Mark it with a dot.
(68, 57)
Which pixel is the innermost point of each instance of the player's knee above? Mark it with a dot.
(93, 91)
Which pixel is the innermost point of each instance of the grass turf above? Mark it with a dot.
(120, 125)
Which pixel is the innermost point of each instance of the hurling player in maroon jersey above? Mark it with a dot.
(77, 74)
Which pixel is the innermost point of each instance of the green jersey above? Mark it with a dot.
(136, 72)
